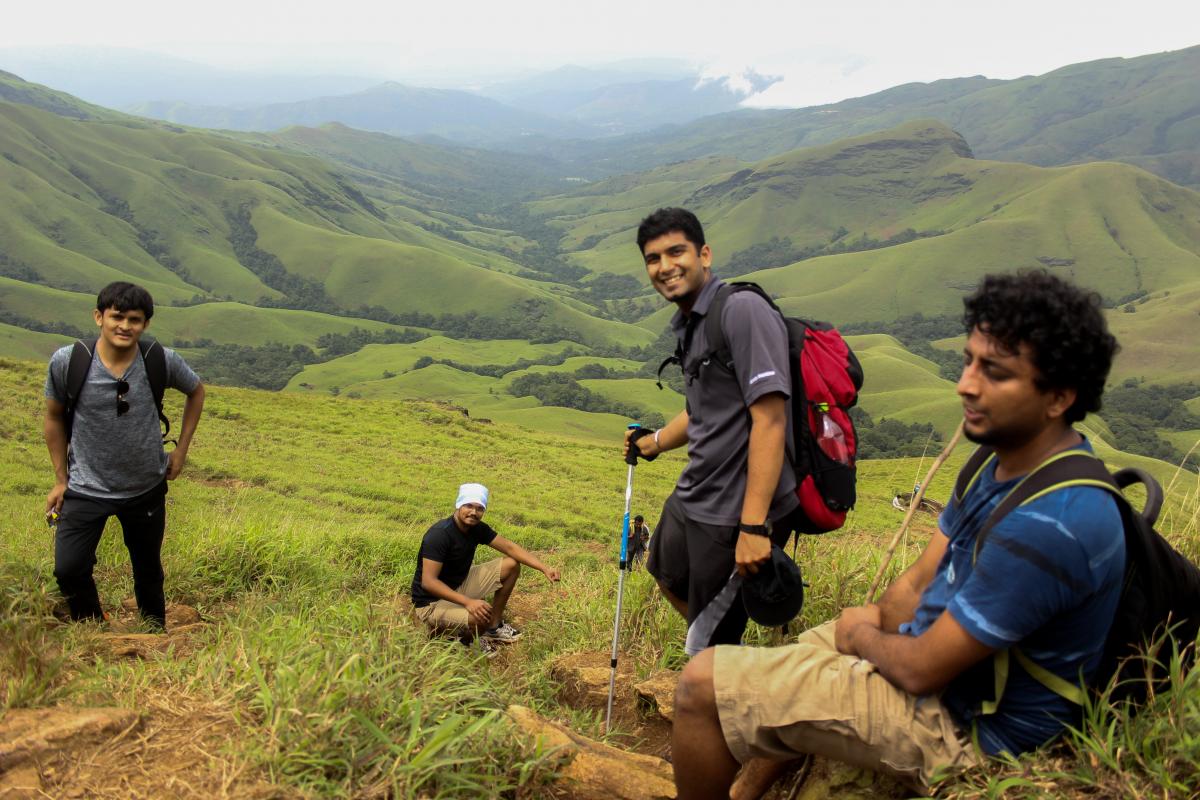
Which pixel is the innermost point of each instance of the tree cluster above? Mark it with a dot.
(890, 438)
(269, 366)
(1137, 412)
(340, 344)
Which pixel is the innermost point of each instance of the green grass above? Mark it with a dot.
(295, 529)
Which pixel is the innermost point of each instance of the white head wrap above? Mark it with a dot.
(471, 493)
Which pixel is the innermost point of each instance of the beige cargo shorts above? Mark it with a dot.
(482, 582)
(777, 702)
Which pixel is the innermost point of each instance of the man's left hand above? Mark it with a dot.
(751, 550)
(175, 463)
(552, 574)
(852, 618)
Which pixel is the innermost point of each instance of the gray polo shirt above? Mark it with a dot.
(713, 483)
(116, 457)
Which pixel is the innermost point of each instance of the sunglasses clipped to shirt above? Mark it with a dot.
(122, 403)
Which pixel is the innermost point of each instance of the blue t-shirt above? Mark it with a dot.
(1048, 578)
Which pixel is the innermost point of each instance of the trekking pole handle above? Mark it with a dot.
(638, 432)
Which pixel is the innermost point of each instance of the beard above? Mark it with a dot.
(1004, 437)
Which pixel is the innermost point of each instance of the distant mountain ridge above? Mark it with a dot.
(1143, 110)
(391, 108)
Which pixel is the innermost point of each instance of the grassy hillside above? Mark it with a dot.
(876, 227)
(202, 217)
(294, 531)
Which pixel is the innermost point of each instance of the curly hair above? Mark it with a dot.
(1062, 324)
(669, 220)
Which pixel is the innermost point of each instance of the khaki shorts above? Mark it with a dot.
(777, 702)
(482, 581)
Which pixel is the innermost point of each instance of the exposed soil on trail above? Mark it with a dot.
(583, 678)
(172, 747)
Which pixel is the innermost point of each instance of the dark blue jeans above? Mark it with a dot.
(80, 525)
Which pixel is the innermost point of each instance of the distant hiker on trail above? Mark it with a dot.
(448, 591)
(638, 537)
(738, 489)
(103, 409)
(906, 685)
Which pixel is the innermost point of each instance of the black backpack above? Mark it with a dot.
(1160, 591)
(826, 378)
(153, 357)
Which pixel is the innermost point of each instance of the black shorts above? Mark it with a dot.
(693, 561)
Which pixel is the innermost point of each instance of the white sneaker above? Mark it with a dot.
(503, 633)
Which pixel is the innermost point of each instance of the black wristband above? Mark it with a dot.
(756, 530)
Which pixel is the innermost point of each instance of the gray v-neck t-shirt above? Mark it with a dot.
(116, 457)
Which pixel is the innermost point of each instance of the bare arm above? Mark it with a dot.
(768, 430)
(899, 603)
(670, 436)
(523, 556)
(54, 429)
(192, 408)
(919, 665)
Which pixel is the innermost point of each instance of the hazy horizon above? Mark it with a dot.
(823, 52)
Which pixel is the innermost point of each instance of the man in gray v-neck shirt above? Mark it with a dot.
(738, 488)
(107, 450)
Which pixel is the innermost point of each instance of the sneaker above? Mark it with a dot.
(502, 633)
(487, 648)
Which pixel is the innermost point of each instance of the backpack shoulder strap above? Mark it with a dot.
(1060, 471)
(714, 334)
(971, 471)
(154, 359)
(77, 372)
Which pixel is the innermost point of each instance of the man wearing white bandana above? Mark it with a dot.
(449, 592)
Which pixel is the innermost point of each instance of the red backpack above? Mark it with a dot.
(826, 377)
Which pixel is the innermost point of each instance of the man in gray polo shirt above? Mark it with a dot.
(108, 455)
(737, 491)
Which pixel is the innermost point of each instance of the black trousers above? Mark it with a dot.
(80, 525)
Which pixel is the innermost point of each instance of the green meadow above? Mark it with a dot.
(294, 530)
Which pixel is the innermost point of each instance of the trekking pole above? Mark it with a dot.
(913, 505)
(631, 460)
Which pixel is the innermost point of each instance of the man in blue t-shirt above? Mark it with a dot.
(901, 685)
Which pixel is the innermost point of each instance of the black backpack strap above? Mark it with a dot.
(971, 471)
(714, 334)
(1060, 471)
(154, 358)
(77, 372)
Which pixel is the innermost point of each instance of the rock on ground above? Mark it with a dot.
(596, 771)
(658, 693)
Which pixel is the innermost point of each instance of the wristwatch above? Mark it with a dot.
(756, 530)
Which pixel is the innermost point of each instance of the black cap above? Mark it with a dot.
(774, 595)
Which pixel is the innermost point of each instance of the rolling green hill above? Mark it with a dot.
(882, 225)
(200, 217)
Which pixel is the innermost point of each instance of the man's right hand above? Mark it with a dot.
(645, 443)
(54, 500)
(479, 612)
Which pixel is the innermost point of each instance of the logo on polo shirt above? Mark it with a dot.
(760, 376)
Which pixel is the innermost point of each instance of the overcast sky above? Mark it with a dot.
(825, 51)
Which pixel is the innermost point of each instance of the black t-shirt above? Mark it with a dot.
(445, 543)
